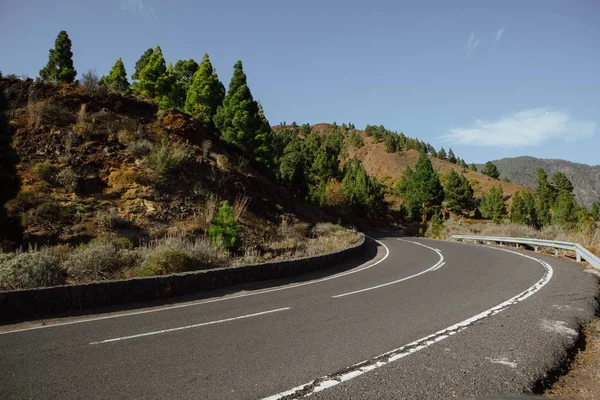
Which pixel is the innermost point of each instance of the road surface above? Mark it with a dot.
(423, 319)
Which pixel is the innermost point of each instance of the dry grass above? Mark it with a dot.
(210, 207)
(81, 125)
(589, 241)
(379, 163)
(34, 114)
(240, 205)
(583, 380)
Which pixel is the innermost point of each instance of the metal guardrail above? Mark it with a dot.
(580, 252)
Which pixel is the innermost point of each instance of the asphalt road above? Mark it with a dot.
(427, 319)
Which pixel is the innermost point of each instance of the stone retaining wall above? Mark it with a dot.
(29, 303)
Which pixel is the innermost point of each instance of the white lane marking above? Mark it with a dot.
(200, 302)
(401, 352)
(557, 327)
(503, 361)
(437, 265)
(190, 326)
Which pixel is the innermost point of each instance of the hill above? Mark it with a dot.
(523, 170)
(93, 164)
(388, 167)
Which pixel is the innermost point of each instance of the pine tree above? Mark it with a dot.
(517, 209)
(491, 170)
(150, 74)
(451, 156)
(361, 193)
(561, 183)
(596, 210)
(442, 154)
(473, 167)
(224, 230)
(60, 61)
(565, 210)
(458, 193)
(492, 205)
(183, 72)
(117, 78)
(545, 196)
(141, 64)
(531, 218)
(241, 120)
(205, 94)
(10, 182)
(421, 190)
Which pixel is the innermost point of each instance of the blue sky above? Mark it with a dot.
(489, 79)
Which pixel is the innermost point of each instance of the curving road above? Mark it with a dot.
(421, 319)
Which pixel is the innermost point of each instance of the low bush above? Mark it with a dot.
(29, 270)
(168, 157)
(49, 216)
(45, 171)
(98, 260)
(68, 179)
(139, 148)
(107, 220)
(168, 261)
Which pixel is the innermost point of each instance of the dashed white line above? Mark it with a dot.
(180, 328)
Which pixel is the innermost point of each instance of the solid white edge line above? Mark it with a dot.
(437, 265)
(201, 302)
(180, 328)
(377, 362)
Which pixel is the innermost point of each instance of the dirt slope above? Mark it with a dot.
(85, 170)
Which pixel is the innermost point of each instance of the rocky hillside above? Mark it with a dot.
(100, 163)
(523, 170)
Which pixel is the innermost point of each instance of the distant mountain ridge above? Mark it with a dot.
(523, 170)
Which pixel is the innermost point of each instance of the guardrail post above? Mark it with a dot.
(578, 257)
(535, 248)
(556, 252)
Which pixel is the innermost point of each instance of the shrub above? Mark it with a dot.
(29, 270)
(139, 148)
(168, 156)
(224, 229)
(98, 260)
(168, 261)
(325, 229)
(207, 254)
(110, 219)
(68, 178)
(90, 82)
(206, 147)
(49, 216)
(45, 171)
(435, 226)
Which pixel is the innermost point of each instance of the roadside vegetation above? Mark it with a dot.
(169, 172)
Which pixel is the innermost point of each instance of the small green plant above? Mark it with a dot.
(29, 270)
(435, 227)
(224, 230)
(45, 171)
(168, 156)
(168, 261)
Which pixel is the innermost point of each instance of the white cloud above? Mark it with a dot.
(499, 34)
(471, 44)
(137, 8)
(531, 127)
